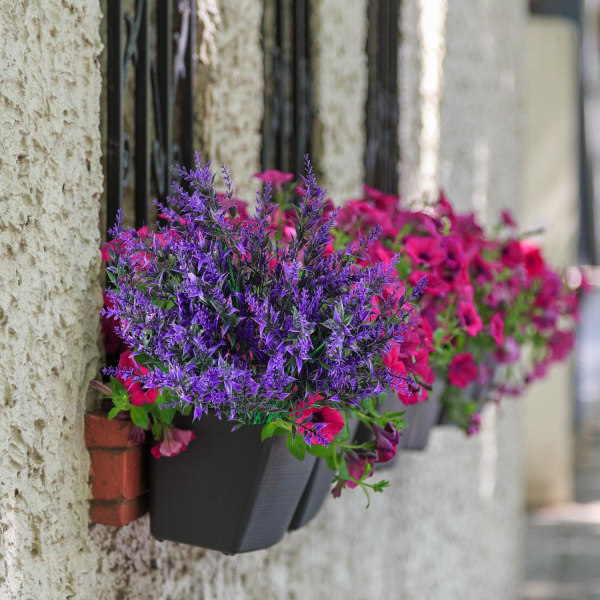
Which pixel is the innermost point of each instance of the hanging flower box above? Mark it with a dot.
(249, 352)
(229, 491)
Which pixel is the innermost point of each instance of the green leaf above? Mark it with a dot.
(343, 474)
(116, 387)
(268, 431)
(140, 417)
(321, 451)
(331, 462)
(143, 359)
(157, 429)
(438, 336)
(113, 412)
(295, 449)
(380, 485)
(168, 414)
(277, 427)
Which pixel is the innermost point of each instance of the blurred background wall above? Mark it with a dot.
(550, 202)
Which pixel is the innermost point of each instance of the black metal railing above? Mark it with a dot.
(382, 148)
(288, 115)
(157, 42)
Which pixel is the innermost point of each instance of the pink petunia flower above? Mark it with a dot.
(386, 442)
(425, 250)
(357, 465)
(175, 441)
(462, 370)
(509, 352)
(507, 218)
(532, 258)
(137, 395)
(561, 343)
(275, 177)
(469, 318)
(322, 423)
(497, 329)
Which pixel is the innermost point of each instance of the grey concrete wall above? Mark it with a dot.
(480, 139)
(460, 122)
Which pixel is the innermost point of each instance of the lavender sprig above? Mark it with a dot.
(228, 319)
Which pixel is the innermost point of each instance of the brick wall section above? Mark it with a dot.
(118, 470)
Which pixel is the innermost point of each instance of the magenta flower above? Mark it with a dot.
(509, 352)
(534, 263)
(275, 177)
(512, 256)
(497, 329)
(425, 250)
(507, 218)
(435, 285)
(462, 370)
(357, 465)
(386, 442)
(109, 325)
(474, 424)
(561, 343)
(138, 396)
(321, 424)
(175, 441)
(420, 365)
(469, 318)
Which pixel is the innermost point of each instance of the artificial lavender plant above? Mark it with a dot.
(225, 318)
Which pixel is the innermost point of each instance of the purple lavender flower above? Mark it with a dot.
(226, 318)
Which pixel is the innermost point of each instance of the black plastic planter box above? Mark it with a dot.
(421, 418)
(314, 494)
(228, 491)
(316, 490)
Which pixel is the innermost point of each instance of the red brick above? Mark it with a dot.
(118, 512)
(101, 432)
(118, 474)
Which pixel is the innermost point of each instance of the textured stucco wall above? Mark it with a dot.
(550, 202)
(229, 88)
(50, 184)
(340, 93)
(480, 156)
(447, 529)
(460, 80)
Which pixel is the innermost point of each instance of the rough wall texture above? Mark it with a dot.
(230, 88)
(479, 163)
(421, 71)
(447, 529)
(463, 135)
(340, 93)
(428, 536)
(50, 183)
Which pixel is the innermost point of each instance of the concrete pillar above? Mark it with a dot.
(550, 201)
